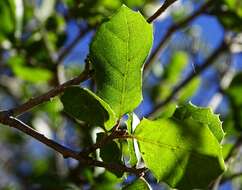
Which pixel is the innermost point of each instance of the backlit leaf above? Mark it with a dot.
(184, 156)
(118, 52)
(201, 115)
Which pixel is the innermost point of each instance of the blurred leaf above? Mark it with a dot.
(40, 166)
(226, 149)
(167, 111)
(7, 17)
(118, 52)
(235, 90)
(53, 110)
(174, 70)
(184, 156)
(235, 5)
(139, 184)
(11, 137)
(160, 91)
(134, 3)
(31, 74)
(111, 4)
(202, 115)
(34, 75)
(189, 90)
(229, 13)
(235, 93)
(84, 105)
(107, 181)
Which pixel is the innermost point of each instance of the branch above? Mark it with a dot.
(64, 151)
(47, 96)
(162, 9)
(177, 26)
(208, 62)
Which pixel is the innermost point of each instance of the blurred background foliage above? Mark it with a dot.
(45, 42)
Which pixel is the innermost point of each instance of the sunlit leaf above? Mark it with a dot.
(118, 52)
(202, 115)
(184, 156)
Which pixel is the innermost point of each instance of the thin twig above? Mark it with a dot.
(64, 151)
(173, 28)
(162, 9)
(50, 94)
(208, 62)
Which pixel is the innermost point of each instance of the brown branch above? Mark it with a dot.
(47, 96)
(208, 62)
(66, 152)
(173, 28)
(162, 9)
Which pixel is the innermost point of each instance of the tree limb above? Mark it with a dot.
(48, 95)
(162, 9)
(64, 151)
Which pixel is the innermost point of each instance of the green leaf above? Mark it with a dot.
(107, 181)
(118, 52)
(110, 152)
(189, 89)
(201, 115)
(167, 111)
(34, 75)
(235, 89)
(84, 105)
(7, 19)
(184, 156)
(30, 74)
(229, 13)
(139, 184)
(226, 149)
(174, 70)
(235, 5)
(134, 3)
